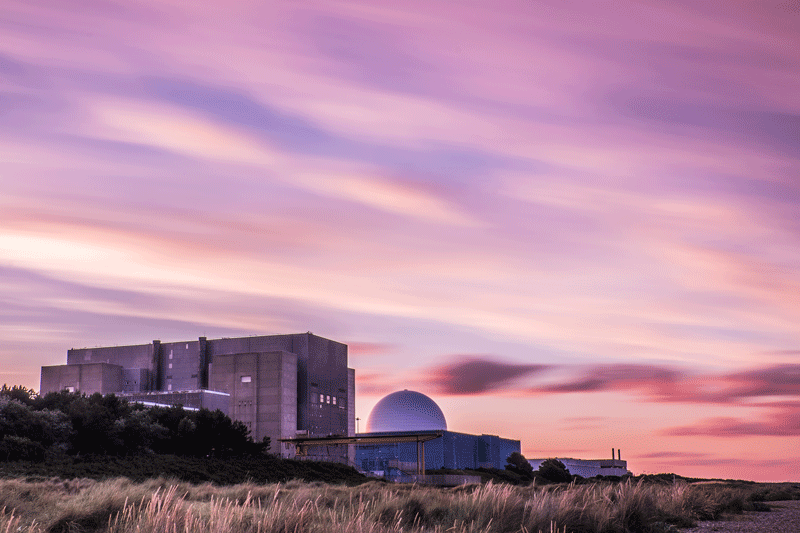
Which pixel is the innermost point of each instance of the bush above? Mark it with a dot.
(554, 470)
(519, 465)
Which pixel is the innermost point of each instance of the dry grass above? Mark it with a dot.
(160, 505)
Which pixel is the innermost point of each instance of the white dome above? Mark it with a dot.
(405, 410)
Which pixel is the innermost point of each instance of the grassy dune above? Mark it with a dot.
(160, 505)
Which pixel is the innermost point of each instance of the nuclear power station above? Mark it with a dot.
(297, 390)
(279, 386)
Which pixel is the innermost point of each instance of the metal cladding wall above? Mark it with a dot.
(135, 379)
(453, 450)
(328, 376)
(195, 399)
(493, 450)
(180, 365)
(589, 467)
(351, 402)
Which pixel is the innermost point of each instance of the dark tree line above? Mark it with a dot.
(551, 470)
(34, 427)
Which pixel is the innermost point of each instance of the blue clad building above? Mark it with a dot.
(412, 413)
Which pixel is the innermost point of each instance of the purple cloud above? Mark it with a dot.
(478, 375)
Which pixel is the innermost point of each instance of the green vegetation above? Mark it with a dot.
(550, 471)
(59, 424)
(69, 436)
(554, 470)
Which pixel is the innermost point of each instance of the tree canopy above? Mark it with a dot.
(33, 427)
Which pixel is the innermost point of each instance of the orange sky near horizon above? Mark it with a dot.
(573, 224)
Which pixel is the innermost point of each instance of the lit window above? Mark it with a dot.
(334, 400)
(329, 399)
(321, 398)
(246, 379)
(170, 365)
(70, 389)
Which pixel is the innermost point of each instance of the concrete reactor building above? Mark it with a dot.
(279, 386)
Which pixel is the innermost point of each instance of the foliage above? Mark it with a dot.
(58, 423)
(519, 465)
(554, 470)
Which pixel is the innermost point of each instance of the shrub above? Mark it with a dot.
(554, 470)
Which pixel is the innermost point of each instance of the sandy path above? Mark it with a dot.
(784, 518)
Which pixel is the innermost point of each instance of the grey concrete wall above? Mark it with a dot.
(87, 378)
(320, 384)
(321, 369)
(263, 389)
(138, 356)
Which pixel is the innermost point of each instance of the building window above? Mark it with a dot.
(70, 389)
(169, 387)
(334, 400)
(246, 379)
(328, 398)
(170, 365)
(321, 398)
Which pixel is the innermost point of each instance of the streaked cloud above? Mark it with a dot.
(478, 375)
(779, 421)
(602, 197)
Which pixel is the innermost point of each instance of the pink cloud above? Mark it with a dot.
(477, 375)
(783, 421)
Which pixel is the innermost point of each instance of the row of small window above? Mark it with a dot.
(323, 398)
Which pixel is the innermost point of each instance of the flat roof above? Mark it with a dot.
(368, 438)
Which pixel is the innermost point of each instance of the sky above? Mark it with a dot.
(576, 224)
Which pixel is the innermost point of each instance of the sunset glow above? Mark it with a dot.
(572, 224)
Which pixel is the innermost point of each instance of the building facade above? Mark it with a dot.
(456, 451)
(280, 386)
(405, 413)
(589, 467)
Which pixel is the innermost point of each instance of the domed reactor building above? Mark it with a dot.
(410, 430)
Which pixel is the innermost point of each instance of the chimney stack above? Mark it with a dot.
(619, 455)
(612, 454)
